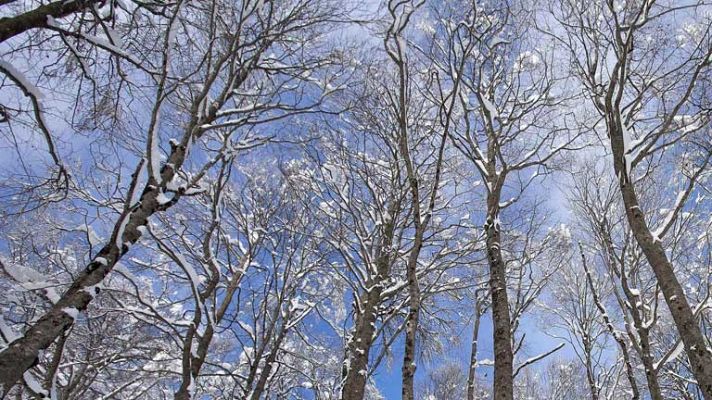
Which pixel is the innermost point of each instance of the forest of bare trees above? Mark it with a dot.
(339, 200)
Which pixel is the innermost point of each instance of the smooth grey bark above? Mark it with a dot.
(261, 385)
(23, 353)
(420, 223)
(192, 363)
(260, 372)
(400, 109)
(642, 345)
(590, 373)
(421, 220)
(609, 98)
(411, 325)
(472, 369)
(651, 375)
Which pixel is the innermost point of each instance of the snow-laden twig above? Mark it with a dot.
(539, 357)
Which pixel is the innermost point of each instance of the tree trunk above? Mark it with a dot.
(651, 374)
(643, 332)
(690, 334)
(355, 371)
(471, 375)
(590, 373)
(23, 353)
(261, 385)
(195, 363)
(255, 370)
(503, 384)
(411, 328)
(411, 325)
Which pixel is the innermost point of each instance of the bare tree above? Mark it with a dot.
(446, 381)
(649, 103)
(506, 95)
(578, 317)
(80, 41)
(257, 199)
(227, 68)
(356, 193)
(424, 195)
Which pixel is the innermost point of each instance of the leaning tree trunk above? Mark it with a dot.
(644, 349)
(192, 362)
(255, 374)
(644, 346)
(690, 334)
(23, 353)
(354, 373)
(590, 373)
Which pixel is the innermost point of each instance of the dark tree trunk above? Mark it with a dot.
(503, 383)
(355, 372)
(37, 18)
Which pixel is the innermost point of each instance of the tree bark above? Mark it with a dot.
(642, 343)
(411, 325)
(503, 383)
(590, 373)
(261, 385)
(192, 364)
(472, 370)
(255, 372)
(651, 375)
(23, 352)
(37, 18)
(355, 371)
(204, 341)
